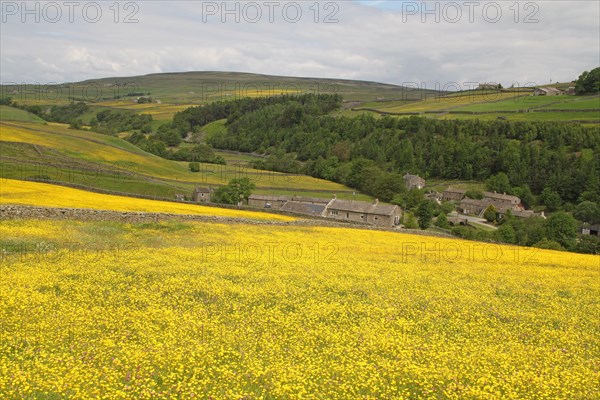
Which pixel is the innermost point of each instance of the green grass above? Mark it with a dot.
(591, 117)
(578, 103)
(535, 102)
(14, 114)
(517, 106)
(203, 87)
(72, 154)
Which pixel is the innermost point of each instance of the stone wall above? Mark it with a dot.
(12, 212)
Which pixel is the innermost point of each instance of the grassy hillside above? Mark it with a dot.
(201, 87)
(45, 195)
(238, 311)
(52, 151)
(15, 114)
(517, 106)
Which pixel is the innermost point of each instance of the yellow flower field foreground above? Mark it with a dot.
(46, 195)
(213, 311)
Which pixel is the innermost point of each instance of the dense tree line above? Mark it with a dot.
(588, 82)
(195, 117)
(549, 165)
(112, 122)
(563, 158)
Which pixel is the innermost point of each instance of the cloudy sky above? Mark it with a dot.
(386, 41)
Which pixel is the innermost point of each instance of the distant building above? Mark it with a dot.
(453, 194)
(474, 206)
(503, 199)
(591, 230)
(413, 182)
(374, 213)
(521, 213)
(546, 91)
(571, 90)
(267, 201)
(311, 200)
(299, 207)
(202, 195)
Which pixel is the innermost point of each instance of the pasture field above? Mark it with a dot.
(581, 103)
(46, 195)
(15, 114)
(591, 117)
(202, 87)
(494, 105)
(108, 150)
(447, 103)
(160, 112)
(537, 102)
(175, 309)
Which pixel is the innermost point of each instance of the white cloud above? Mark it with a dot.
(370, 42)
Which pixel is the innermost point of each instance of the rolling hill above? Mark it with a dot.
(201, 87)
(54, 152)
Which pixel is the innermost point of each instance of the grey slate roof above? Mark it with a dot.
(303, 208)
(501, 196)
(362, 207)
(310, 199)
(268, 197)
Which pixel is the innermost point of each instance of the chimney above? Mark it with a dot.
(376, 201)
(335, 196)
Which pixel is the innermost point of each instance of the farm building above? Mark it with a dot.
(267, 201)
(361, 211)
(546, 91)
(453, 194)
(413, 182)
(591, 230)
(299, 207)
(202, 195)
(502, 199)
(311, 200)
(521, 213)
(473, 206)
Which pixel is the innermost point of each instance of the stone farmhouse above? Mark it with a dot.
(267, 201)
(503, 199)
(453, 194)
(413, 182)
(384, 215)
(202, 195)
(502, 202)
(547, 91)
(374, 213)
(473, 206)
(592, 230)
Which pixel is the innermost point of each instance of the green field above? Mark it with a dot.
(201, 87)
(15, 114)
(592, 117)
(516, 106)
(52, 151)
